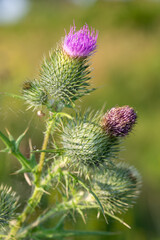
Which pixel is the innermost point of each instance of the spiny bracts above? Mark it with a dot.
(117, 187)
(86, 144)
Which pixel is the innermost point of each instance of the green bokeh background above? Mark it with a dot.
(126, 72)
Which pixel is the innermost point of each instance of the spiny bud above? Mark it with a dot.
(118, 122)
(86, 144)
(34, 94)
(8, 204)
(65, 79)
(80, 43)
(117, 187)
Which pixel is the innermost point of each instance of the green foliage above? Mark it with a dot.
(127, 50)
(82, 165)
(12, 146)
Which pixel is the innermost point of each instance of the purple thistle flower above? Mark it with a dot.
(119, 121)
(80, 43)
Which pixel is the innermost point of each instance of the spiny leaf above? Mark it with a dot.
(19, 139)
(13, 148)
(5, 140)
(11, 138)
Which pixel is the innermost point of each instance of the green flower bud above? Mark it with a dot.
(86, 143)
(117, 188)
(8, 205)
(62, 81)
(65, 79)
(34, 94)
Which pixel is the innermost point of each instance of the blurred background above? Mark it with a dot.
(126, 72)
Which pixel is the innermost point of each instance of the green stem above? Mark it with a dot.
(32, 203)
(38, 192)
(44, 147)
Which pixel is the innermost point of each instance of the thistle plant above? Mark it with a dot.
(79, 154)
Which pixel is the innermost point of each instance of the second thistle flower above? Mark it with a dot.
(119, 121)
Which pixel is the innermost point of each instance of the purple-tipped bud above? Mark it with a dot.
(119, 121)
(80, 43)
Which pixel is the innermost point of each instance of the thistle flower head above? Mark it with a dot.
(64, 76)
(119, 121)
(80, 43)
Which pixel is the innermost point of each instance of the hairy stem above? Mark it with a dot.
(38, 192)
(44, 146)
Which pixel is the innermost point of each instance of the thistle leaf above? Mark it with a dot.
(13, 148)
(19, 139)
(5, 140)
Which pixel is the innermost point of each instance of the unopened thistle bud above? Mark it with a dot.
(86, 144)
(118, 121)
(34, 94)
(117, 188)
(8, 205)
(80, 43)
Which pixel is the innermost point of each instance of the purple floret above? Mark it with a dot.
(80, 43)
(119, 121)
